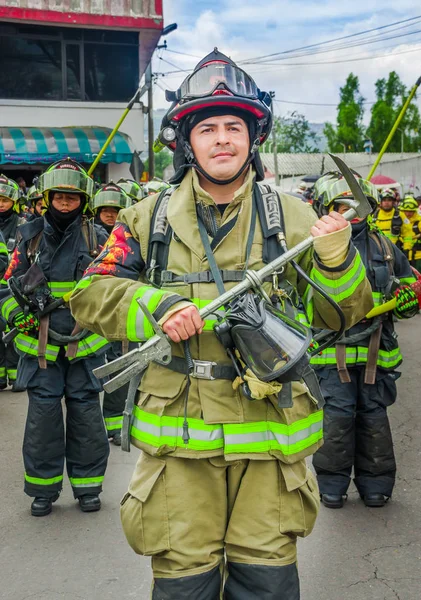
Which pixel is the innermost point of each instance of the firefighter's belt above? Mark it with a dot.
(202, 369)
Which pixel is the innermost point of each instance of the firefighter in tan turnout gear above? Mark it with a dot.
(229, 518)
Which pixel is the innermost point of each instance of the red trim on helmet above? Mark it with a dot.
(255, 111)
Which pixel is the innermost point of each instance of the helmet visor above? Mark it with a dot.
(207, 79)
(113, 199)
(341, 188)
(9, 191)
(65, 179)
(132, 189)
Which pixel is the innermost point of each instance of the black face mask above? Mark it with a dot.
(6, 214)
(60, 220)
(358, 227)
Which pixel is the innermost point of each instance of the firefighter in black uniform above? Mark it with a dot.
(106, 204)
(358, 376)
(9, 222)
(56, 359)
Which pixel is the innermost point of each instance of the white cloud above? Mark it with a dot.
(244, 28)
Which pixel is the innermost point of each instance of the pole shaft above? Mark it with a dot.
(108, 142)
(393, 130)
(151, 155)
(275, 155)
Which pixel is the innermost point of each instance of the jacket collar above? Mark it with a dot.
(182, 214)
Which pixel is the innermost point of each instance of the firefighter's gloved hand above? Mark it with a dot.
(406, 302)
(25, 323)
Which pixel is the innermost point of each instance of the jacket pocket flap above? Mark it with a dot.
(161, 382)
(295, 474)
(147, 471)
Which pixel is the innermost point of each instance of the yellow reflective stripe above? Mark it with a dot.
(265, 436)
(29, 345)
(211, 320)
(138, 327)
(345, 286)
(83, 283)
(168, 431)
(158, 431)
(112, 423)
(8, 307)
(3, 248)
(358, 355)
(41, 481)
(92, 343)
(60, 288)
(86, 481)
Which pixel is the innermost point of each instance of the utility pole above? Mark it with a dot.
(151, 156)
(275, 145)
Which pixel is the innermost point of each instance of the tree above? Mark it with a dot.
(162, 160)
(349, 130)
(293, 134)
(391, 94)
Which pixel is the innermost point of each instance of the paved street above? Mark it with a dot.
(354, 554)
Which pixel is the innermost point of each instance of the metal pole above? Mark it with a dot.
(151, 155)
(394, 128)
(114, 131)
(275, 156)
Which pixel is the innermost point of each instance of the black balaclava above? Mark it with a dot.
(358, 227)
(182, 162)
(59, 220)
(6, 214)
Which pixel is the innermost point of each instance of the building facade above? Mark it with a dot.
(69, 68)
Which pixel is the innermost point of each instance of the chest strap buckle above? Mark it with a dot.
(202, 369)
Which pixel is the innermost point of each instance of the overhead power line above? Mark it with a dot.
(319, 44)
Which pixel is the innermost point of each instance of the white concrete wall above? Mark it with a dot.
(37, 113)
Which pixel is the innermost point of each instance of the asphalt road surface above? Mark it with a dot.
(353, 554)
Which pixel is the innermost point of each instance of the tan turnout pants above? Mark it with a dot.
(186, 513)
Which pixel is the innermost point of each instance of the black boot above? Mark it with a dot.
(42, 507)
(117, 439)
(374, 500)
(332, 500)
(89, 503)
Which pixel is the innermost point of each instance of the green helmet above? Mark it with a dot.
(409, 204)
(66, 176)
(156, 185)
(111, 195)
(34, 195)
(133, 189)
(9, 189)
(333, 189)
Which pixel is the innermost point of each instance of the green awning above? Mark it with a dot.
(31, 145)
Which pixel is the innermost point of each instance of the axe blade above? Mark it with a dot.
(363, 208)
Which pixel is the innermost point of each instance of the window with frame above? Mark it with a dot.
(63, 63)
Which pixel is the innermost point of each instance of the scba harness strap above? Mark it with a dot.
(271, 220)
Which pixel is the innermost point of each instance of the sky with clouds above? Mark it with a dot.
(245, 29)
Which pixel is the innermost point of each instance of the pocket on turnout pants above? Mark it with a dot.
(143, 509)
(299, 498)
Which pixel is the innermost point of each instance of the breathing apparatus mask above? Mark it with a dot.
(269, 343)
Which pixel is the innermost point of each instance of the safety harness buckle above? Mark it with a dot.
(202, 369)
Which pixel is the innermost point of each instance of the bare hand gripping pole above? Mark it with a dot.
(158, 347)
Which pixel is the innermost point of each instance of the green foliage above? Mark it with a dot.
(391, 95)
(293, 134)
(162, 160)
(349, 130)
